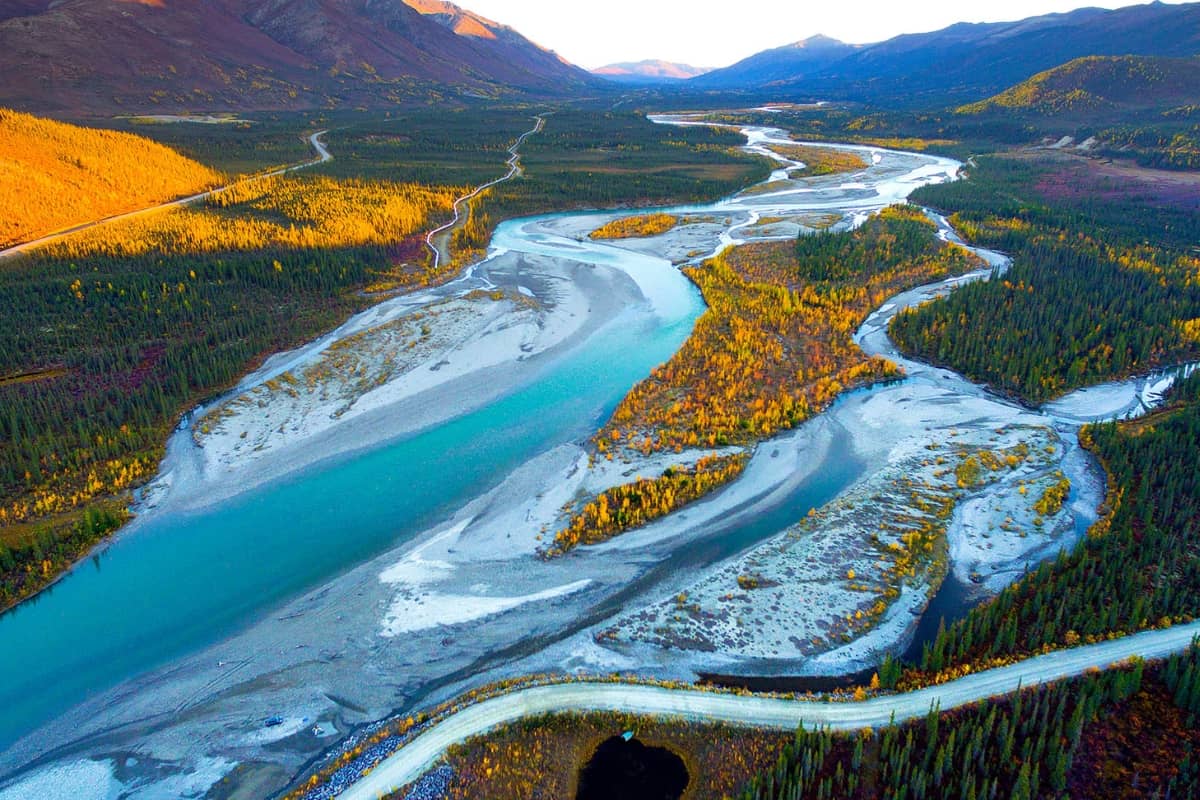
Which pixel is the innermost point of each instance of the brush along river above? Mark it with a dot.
(354, 530)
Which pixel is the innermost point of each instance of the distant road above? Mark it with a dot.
(441, 249)
(323, 155)
(419, 755)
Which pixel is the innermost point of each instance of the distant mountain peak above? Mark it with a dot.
(820, 40)
(456, 18)
(780, 63)
(650, 69)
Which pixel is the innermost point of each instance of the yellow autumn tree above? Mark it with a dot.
(54, 175)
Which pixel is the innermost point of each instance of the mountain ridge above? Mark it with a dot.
(966, 62)
(1099, 84)
(165, 55)
(806, 56)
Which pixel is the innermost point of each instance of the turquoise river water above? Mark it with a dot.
(177, 582)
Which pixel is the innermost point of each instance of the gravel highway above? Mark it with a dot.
(419, 755)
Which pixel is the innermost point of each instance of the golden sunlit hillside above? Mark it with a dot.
(54, 175)
(273, 212)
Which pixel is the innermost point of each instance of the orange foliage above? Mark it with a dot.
(54, 175)
(291, 212)
(633, 504)
(636, 227)
(822, 160)
(279, 212)
(770, 351)
(1135, 749)
(65, 490)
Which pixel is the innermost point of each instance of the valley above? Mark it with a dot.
(439, 579)
(391, 408)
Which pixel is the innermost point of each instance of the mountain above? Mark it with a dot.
(500, 42)
(968, 62)
(648, 71)
(1098, 85)
(789, 62)
(169, 55)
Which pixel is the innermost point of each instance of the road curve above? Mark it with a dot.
(415, 758)
(514, 169)
(323, 155)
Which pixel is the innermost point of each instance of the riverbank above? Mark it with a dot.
(401, 367)
(833, 578)
(448, 592)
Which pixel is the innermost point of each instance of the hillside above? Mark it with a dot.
(261, 54)
(1098, 84)
(648, 71)
(503, 47)
(19, 8)
(790, 62)
(54, 176)
(965, 63)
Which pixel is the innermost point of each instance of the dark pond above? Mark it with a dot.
(629, 770)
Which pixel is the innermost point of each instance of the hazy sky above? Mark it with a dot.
(714, 34)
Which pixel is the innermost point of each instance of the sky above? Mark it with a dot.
(709, 33)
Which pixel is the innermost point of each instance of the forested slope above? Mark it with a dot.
(1100, 85)
(54, 175)
(1103, 282)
